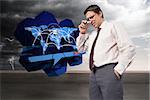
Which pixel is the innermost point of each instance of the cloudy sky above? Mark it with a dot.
(134, 15)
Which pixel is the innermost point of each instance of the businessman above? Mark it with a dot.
(110, 53)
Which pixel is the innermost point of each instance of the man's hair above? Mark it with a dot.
(94, 8)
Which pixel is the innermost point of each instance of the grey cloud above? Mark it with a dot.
(147, 2)
(140, 42)
(126, 3)
(117, 2)
(133, 21)
(62, 9)
(16, 10)
(15, 6)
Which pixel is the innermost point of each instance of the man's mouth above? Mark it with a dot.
(93, 23)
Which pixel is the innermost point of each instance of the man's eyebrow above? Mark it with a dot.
(90, 17)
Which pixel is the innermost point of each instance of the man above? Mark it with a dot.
(110, 53)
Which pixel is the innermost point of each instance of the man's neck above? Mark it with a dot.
(101, 23)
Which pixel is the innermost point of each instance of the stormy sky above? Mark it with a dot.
(134, 15)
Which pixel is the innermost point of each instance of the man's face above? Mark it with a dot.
(94, 18)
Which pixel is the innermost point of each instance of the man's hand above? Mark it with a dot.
(117, 74)
(83, 26)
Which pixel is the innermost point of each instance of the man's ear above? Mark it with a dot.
(100, 13)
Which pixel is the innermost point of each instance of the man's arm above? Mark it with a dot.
(126, 49)
(82, 42)
(82, 39)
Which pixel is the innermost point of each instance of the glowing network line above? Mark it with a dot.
(54, 33)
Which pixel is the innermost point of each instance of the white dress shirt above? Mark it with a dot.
(113, 45)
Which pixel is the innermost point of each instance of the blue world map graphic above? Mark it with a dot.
(47, 44)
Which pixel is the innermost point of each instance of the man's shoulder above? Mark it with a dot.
(110, 22)
(107, 23)
(114, 23)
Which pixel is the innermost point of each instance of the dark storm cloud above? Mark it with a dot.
(13, 11)
(15, 6)
(11, 8)
(61, 9)
(65, 8)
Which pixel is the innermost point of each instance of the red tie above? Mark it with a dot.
(92, 51)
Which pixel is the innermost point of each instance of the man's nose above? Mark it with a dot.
(91, 21)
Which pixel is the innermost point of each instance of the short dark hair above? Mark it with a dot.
(94, 8)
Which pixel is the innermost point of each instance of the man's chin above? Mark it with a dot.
(95, 26)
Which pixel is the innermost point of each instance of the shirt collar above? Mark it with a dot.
(103, 24)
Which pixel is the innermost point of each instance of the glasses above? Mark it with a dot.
(88, 19)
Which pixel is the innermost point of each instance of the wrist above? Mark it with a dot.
(117, 74)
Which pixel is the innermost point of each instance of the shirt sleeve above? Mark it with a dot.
(82, 42)
(125, 47)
